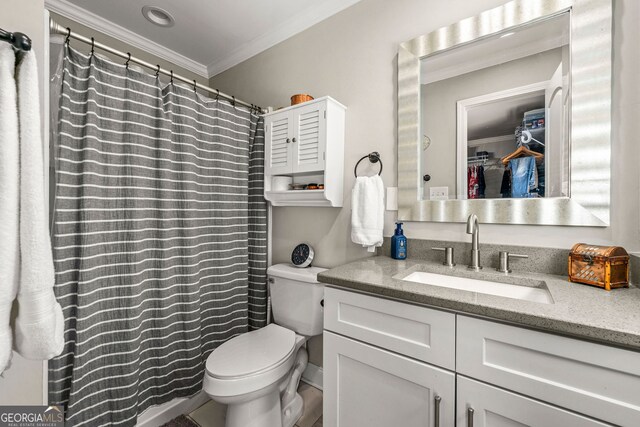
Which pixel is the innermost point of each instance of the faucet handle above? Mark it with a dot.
(448, 255)
(503, 262)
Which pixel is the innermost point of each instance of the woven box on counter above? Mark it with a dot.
(603, 266)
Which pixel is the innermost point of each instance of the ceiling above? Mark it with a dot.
(209, 36)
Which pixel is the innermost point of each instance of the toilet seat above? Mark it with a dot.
(251, 353)
(250, 363)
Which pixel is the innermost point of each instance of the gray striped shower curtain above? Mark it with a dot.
(159, 238)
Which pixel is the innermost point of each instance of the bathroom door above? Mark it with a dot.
(365, 386)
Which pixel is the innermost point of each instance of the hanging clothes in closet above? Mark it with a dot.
(476, 182)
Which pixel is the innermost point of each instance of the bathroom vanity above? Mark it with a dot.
(404, 352)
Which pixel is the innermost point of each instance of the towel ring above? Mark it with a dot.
(374, 157)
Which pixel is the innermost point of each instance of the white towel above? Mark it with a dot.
(39, 326)
(367, 212)
(9, 199)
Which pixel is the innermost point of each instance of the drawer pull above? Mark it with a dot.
(436, 411)
(470, 412)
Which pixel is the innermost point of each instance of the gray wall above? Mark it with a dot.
(439, 105)
(352, 57)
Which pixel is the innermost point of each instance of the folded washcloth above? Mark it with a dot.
(367, 211)
(39, 327)
(9, 199)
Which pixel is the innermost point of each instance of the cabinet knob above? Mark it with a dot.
(436, 411)
(288, 140)
(294, 139)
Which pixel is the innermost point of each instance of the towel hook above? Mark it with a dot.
(374, 157)
(126, 64)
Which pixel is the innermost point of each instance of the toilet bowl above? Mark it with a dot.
(256, 374)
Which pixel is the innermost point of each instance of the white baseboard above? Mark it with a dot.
(313, 376)
(158, 415)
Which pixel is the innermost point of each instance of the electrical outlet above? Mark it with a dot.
(439, 193)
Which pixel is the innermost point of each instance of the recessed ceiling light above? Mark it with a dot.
(507, 35)
(158, 16)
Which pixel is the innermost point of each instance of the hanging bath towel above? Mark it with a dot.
(9, 196)
(367, 212)
(39, 326)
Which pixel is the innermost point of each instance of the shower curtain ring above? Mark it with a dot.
(93, 44)
(126, 64)
(158, 70)
(194, 85)
(66, 40)
(171, 81)
(217, 94)
(233, 102)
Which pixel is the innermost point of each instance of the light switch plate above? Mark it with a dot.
(439, 193)
(392, 198)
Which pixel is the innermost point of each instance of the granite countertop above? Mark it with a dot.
(578, 310)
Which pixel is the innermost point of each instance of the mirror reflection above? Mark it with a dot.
(495, 116)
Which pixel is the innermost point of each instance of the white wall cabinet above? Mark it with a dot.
(306, 142)
(383, 357)
(365, 386)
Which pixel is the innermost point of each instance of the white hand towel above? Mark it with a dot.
(367, 212)
(39, 327)
(9, 199)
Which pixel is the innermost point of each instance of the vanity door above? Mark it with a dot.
(365, 386)
(482, 405)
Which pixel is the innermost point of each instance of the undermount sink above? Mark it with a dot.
(537, 294)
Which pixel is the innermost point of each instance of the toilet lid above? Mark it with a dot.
(252, 352)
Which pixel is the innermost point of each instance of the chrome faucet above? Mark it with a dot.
(474, 229)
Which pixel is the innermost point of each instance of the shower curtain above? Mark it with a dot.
(159, 237)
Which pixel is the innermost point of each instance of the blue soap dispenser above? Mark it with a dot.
(399, 243)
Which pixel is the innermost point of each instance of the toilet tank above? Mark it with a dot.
(297, 298)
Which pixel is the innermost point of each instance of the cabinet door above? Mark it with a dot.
(278, 145)
(482, 405)
(365, 386)
(309, 137)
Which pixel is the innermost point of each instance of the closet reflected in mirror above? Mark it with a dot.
(494, 115)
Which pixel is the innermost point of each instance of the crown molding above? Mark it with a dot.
(91, 20)
(289, 28)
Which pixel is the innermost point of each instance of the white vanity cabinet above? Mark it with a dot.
(389, 363)
(306, 142)
(366, 386)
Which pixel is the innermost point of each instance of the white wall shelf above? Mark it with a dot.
(306, 142)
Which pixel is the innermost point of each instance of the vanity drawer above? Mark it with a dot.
(414, 331)
(593, 379)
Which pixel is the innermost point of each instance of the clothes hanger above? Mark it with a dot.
(521, 151)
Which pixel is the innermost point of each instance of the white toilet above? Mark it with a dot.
(257, 374)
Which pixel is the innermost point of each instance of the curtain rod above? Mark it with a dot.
(56, 28)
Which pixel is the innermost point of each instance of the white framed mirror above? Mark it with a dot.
(507, 114)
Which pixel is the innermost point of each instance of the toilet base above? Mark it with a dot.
(261, 412)
(292, 412)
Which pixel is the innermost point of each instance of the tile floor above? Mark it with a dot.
(212, 414)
